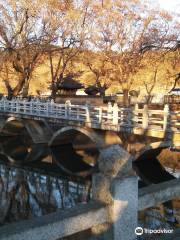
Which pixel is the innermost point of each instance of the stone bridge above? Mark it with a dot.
(159, 123)
(120, 139)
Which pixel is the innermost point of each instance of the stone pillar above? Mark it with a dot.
(117, 186)
(125, 208)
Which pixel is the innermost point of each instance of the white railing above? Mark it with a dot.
(106, 115)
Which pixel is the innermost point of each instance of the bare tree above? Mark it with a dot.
(150, 86)
(176, 80)
(174, 57)
(122, 34)
(71, 29)
(101, 67)
(23, 37)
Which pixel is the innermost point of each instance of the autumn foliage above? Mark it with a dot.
(105, 43)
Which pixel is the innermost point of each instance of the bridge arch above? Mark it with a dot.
(12, 125)
(147, 165)
(69, 132)
(72, 146)
(18, 144)
(103, 145)
(38, 131)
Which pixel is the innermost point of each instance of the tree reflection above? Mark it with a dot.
(25, 194)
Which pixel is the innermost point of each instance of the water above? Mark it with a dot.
(25, 194)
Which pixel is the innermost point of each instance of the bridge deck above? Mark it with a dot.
(142, 121)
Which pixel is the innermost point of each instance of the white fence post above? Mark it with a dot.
(1, 103)
(115, 114)
(16, 104)
(24, 106)
(166, 115)
(67, 108)
(37, 107)
(51, 106)
(88, 118)
(109, 112)
(4, 104)
(136, 113)
(145, 117)
(100, 115)
(31, 107)
(12, 102)
(47, 108)
(78, 112)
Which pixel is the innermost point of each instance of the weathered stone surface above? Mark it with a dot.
(121, 195)
(124, 208)
(111, 138)
(116, 187)
(115, 161)
(158, 193)
(57, 225)
(101, 186)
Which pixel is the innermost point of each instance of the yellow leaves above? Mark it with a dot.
(167, 16)
(61, 5)
(147, 21)
(73, 14)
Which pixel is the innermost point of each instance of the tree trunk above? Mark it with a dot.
(176, 81)
(14, 92)
(126, 97)
(101, 88)
(9, 89)
(53, 92)
(18, 87)
(27, 78)
(55, 84)
(25, 89)
(149, 99)
(102, 92)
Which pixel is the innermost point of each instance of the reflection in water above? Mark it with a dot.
(25, 194)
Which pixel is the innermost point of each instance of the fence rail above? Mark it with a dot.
(57, 225)
(108, 115)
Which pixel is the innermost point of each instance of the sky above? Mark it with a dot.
(170, 5)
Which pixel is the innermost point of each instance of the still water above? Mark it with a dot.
(25, 194)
